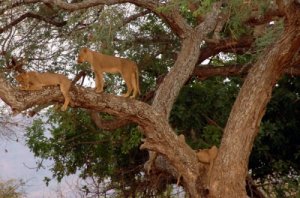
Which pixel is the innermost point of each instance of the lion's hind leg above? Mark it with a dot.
(23, 87)
(128, 82)
(64, 88)
(33, 87)
(99, 82)
(135, 85)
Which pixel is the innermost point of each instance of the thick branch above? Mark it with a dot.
(16, 4)
(108, 124)
(184, 65)
(229, 45)
(268, 16)
(173, 17)
(176, 78)
(135, 16)
(249, 108)
(207, 71)
(31, 15)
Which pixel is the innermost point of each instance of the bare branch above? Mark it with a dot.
(108, 124)
(17, 4)
(228, 45)
(207, 71)
(267, 17)
(78, 76)
(31, 15)
(135, 16)
(173, 18)
(185, 64)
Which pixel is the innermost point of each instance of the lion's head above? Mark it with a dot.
(21, 78)
(82, 55)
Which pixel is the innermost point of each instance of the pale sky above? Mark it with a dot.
(17, 162)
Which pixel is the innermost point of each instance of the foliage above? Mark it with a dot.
(202, 109)
(271, 34)
(240, 10)
(76, 145)
(281, 186)
(12, 188)
(276, 152)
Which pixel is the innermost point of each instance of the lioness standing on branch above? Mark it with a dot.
(110, 64)
(31, 81)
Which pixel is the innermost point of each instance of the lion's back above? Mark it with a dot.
(52, 78)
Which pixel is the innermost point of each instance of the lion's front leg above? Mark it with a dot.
(127, 79)
(34, 87)
(65, 87)
(24, 88)
(99, 82)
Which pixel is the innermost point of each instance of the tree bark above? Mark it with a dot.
(207, 71)
(179, 74)
(185, 63)
(231, 165)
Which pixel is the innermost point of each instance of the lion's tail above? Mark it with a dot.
(137, 80)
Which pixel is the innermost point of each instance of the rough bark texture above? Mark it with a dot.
(207, 71)
(231, 165)
(185, 63)
(165, 97)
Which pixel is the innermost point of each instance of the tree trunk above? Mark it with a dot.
(164, 140)
(179, 74)
(231, 165)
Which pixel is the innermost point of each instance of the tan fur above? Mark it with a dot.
(103, 63)
(36, 81)
(208, 156)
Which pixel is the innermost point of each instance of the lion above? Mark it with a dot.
(208, 156)
(110, 64)
(31, 81)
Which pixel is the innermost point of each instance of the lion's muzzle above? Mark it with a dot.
(79, 60)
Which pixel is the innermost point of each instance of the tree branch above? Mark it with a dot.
(16, 4)
(109, 125)
(160, 136)
(135, 16)
(207, 71)
(173, 18)
(228, 45)
(268, 16)
(184, 65)
(31, 15)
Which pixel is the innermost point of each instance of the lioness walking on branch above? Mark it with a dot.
(110, 64)
(31, 81)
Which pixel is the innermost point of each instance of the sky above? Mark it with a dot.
(17, 162)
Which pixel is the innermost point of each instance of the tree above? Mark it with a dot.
(11, 188)
(202, 30)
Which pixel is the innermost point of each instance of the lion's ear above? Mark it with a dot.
(85, 49)
(20, 77)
